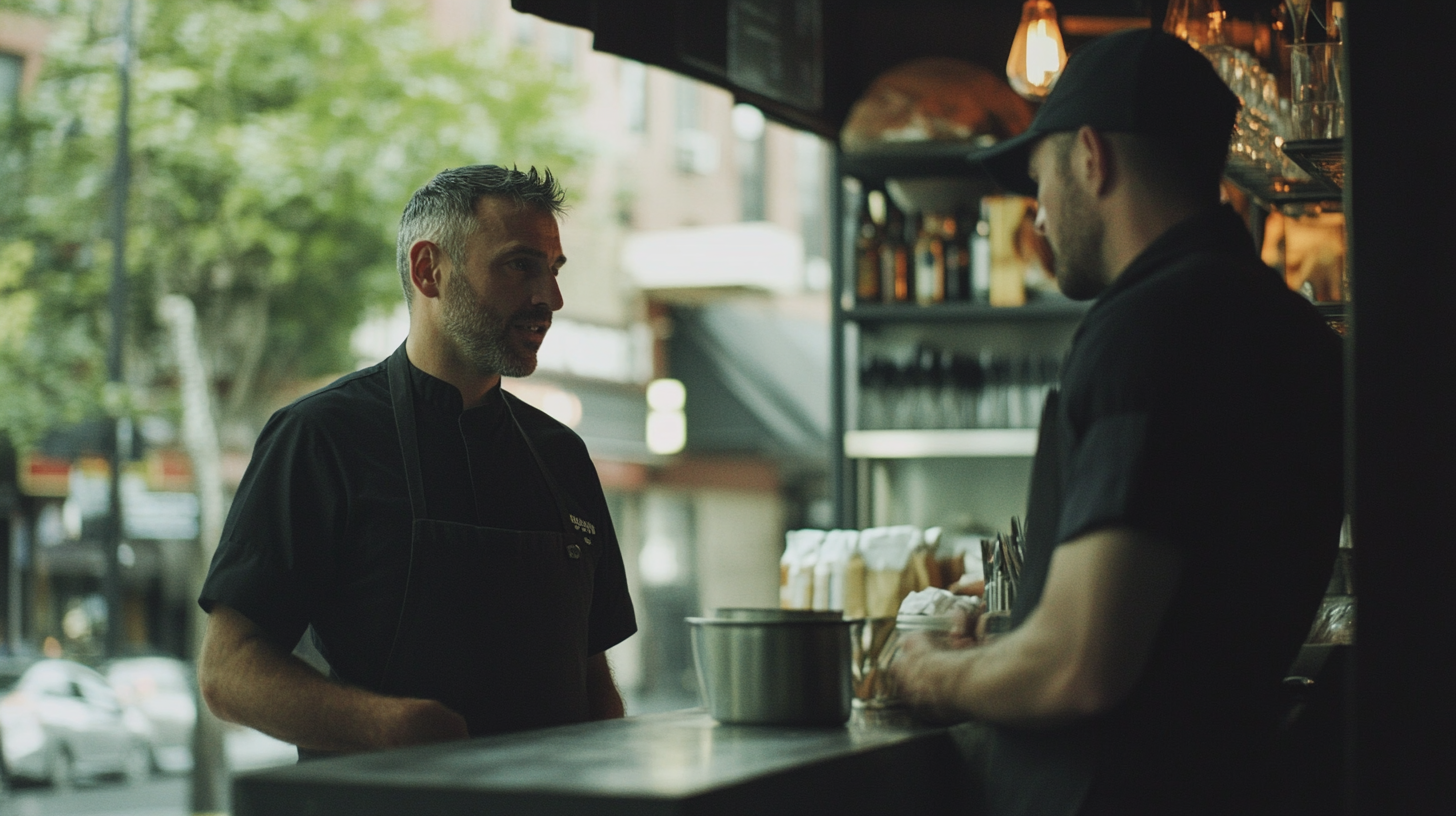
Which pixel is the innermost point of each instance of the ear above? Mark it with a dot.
(1092, 161)
(427, 262)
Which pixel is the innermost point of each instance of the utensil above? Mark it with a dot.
(774, 667)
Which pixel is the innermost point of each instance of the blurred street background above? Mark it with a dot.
(164, 794)
(198, 201)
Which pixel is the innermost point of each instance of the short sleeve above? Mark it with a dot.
(277, 545)
(613, 619)
(1132, 425)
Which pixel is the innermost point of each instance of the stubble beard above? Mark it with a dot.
(481, 335)
(1077, 251)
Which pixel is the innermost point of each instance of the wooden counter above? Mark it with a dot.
(675, 763)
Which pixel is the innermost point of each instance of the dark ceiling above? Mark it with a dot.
(861, 39)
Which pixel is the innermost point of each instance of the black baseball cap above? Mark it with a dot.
(1140, 81)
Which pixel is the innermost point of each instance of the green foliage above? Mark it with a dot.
(273, 147)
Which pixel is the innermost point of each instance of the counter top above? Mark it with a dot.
(675, 763)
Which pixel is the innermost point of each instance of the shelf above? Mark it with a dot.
(940, 444)
(1276, 191)
(1323, 159)
(918, 160)
(1047, 308)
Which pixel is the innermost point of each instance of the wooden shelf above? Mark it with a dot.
(940, 444)
(1045, 308)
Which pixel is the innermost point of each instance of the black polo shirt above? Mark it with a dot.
(1201, 402)
(319, 531)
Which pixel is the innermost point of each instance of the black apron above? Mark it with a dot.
(494, 622)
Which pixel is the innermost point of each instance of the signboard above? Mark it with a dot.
(776, 48)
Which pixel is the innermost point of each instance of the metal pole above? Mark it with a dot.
(121, 430)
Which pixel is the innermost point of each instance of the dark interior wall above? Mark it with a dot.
(1403, 394)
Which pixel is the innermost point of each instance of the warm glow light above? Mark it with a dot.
(667, 425)
(1037, 54)
(667, 432)
(666, 395)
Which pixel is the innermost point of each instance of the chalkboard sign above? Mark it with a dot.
(775, 49)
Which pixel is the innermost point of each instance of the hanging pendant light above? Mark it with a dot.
(1037, 54)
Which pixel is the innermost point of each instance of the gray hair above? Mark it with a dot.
(443, 210)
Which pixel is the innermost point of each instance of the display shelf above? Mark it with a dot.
(1275, 191)
(1324, 159)
(1046, 308)
(939, 444)
(918, 160)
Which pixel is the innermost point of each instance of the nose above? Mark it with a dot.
(1040, 221)
(548, 294)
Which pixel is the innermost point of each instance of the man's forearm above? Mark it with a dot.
(248, 680)
(1078, 653)
(1012, 680)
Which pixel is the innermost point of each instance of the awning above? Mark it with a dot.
(805, 62)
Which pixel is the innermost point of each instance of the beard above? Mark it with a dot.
(483, 337)
(1077, 249)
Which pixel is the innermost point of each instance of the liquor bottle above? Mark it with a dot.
(957, 261)
(898, 285)
(980, 244)
(930, 261)
(868, 278)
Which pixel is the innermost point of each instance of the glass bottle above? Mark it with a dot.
(930, 261)
(868, 277)
(898, 286)
(957, 262)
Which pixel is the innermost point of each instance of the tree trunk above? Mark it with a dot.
(199, 434)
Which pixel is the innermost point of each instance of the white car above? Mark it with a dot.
(161, 689)
(60, 721)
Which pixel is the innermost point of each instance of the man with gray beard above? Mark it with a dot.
(446, 547)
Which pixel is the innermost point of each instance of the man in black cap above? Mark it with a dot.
(1186, 492)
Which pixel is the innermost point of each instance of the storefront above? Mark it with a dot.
(805, 63)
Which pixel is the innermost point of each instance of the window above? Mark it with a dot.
(811, 166)
(632, 77)
(751, 154)
(686, 104)
(525, 30)
(563, 46)
(698, 151)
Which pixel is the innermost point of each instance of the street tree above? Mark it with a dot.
(273, 147)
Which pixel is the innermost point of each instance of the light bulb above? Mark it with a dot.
(1037, 54)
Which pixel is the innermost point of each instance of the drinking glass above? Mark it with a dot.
(1317, 90)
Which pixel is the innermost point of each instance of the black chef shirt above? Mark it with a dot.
(1200, 403)
(319, 531)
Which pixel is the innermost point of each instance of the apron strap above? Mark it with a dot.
(401, 395)
(567, 526)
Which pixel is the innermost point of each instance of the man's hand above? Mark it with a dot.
(1079, 653)
(924, 679)
(247, 679)
(418, 722)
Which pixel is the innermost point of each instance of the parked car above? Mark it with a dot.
(60, 721)
(161, 688)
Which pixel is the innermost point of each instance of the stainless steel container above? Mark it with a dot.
(774, 667)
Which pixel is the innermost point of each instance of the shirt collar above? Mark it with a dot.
(435, 392)
(1218, 229)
